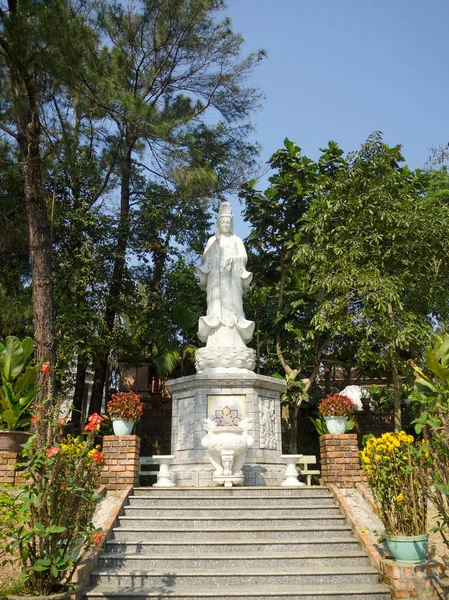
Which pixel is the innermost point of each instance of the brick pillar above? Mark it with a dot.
(9, 470)
(122, 461)
(340, 460)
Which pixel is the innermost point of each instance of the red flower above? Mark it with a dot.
(97, 539)
(35, 419)
(95, 418)
(98, 457)
(46, 367)
(52, 451)
(336, 405)
(62, 421)
(63, 486)
(94, 422)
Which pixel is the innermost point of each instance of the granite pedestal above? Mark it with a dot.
(207, 395)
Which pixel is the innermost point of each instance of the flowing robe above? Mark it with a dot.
(224, 277)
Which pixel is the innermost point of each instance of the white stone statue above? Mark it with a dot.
(355, 393)
(224, 277)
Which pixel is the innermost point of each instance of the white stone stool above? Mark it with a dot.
(164, 474)
(291, 474)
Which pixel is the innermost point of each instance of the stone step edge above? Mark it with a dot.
(247, 572)
(234, 542)
(345, 527)
(219, 490)
(225, 556)
(250, 591)
(236, 508)
(156, 496)
(338, 517)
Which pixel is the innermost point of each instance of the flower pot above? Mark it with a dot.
(12, 441)
(336, 424)
(408, 548)
(122, 427)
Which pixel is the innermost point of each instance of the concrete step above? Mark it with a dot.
(237, 522)
(355, 591)
(150, 578)
(192, 534)
(272, 560)
(219, 511)
(209, 547)
(236, 492)
(184, 501)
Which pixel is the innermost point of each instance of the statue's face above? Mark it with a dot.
(225, 224)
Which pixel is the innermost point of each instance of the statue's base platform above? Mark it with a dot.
(226, 396)
(213, 359)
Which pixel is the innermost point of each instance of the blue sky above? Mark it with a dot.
(342, 69)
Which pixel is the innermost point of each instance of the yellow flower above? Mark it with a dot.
(377, 457)
(400, 498)
(366, 460)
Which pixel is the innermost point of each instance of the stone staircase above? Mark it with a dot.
(234, 543)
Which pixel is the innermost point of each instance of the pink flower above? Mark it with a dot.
(52, 451)
(62, 421)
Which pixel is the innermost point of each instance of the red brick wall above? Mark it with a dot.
(122, 458)
(340, 460)
(9, 472)
(423, 580)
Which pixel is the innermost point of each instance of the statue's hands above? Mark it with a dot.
(229, 263)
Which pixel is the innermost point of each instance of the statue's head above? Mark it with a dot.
(225, 219)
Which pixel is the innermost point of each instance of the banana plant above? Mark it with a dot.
(18, 379)
(433, 390)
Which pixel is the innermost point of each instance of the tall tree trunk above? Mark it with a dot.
(395, 377)
(396, 389)
(26, 107)
(293, 410)
(115, 287)
(78, 394)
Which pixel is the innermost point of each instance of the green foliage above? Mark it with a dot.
(18, 379)
(146, 112)
(432, 398)
(280, 299)
(320, 424)
(381, 398)
(375, 245)
(48, 522)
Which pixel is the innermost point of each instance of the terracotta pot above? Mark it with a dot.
(12, 441)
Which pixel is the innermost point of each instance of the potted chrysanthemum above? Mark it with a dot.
(124, 409)
(336, 410)
(392, 463)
